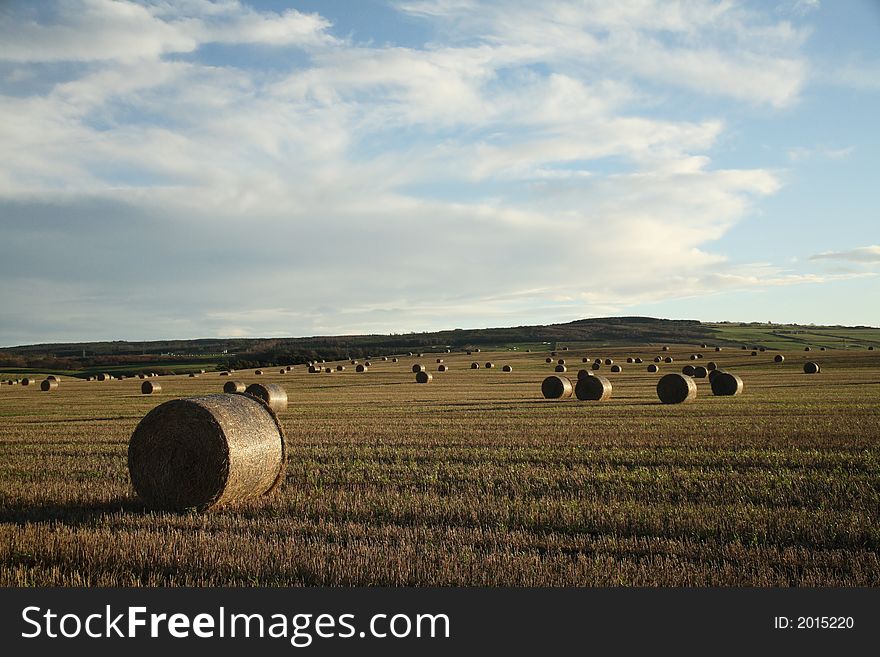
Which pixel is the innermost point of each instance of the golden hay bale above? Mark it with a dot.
(234, 386)
(593, 388)
(272, 394)
(688, 370)
(423, 377)
(439, 360)
(754, 353)
(779, 358)
(717, 348)
(653, 368)
(361, 368)
(565, 349)
(384, 358)
(665, 348)
(808, 349)
(561, 361)
(48, 384)
(258, 372)
(585, 360)
(468, 352)
(314, 369)
(353, 362)
(704, 346)
(616, 369)
(25, 381)
(328, 370)
(442, 368)
(489, 365)
(676, 389)
(340, 368)
(506, 368)
(556, 387)
(553, 353)
(101, 377)
(596, 366)
(630, 359)
(693, 357)
(638, 361)
(144, 376)
(559, 368)
(870, 348)
(711, 365)
(193, 375)
(409, 353)
(658, 359)
(699, 356)
(726, 384)
(668, 359)
(393, 360)
(548, 360)
(478, 350)
(367, 363)
(417, 368)
(282, 371)
(762, 348)
(149, 387)
(420, 355)
(475, 366)
(206, 452)
(221, 374)
(609, 361)
(700, 372)
(582, 374)
(811, 368)
(821, 348)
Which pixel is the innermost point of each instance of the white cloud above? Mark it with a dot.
(860, 255)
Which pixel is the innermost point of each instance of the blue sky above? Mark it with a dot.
(195, 169)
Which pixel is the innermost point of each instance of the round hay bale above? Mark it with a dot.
(726, 384)
(282, 371)
(489, 366)
(668, 359)
(442, 368)
(221, 374)
(548, 360)
(384, 358)
(393, 360)
(314, 369)
(353, 362)
(808, 349)
(409, 353)
(468, 352)
(658, 359)
(630, 359)
(424, 377)
(234, 386)
(144, 376)
(717, 348)
(821, 348)
(584, 373)
(593, 388)
(272, 394)
(25, 381)
(676, 389)
(811, 368)
(693, 357)
(714, 373)
(103, 376)
(193, 375)
(561, 361)
(205, 452)
(507, 368)
(598, 361)
(711, 365)
(48, 384)
(565, 349)
(475, 366)
(417, 368)
(638, 361)
(585, 360)
(420, 355)
(361, 368)
(258, 372)
(328, 370)
(754, 353)
(665, 348)
(688, 370)
(340, 368)
(439, 360)
(149, 387)
(704, 346)
(559, 368)
(596, 366)
(288, 368)
(556, 387)
(699, 356)
(653, 367)
(609, 361)
(779, 358)
(616, 369)
(870, 348)
(449, 351)
(553, 353)
(762, 349)
(700, 372)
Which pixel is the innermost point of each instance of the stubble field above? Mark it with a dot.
(473, 479)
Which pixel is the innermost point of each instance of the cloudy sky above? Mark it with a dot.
(192, 168)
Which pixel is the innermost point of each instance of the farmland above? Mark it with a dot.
(473, 479)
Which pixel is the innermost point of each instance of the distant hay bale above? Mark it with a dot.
(593, 388)
(870, 348)
(553, 353)
(144, 376)
(699, 356)
(704, 346)
(811, 368)
(556, 387)
(206, 452)
(442, 368)
(561, 361)
(449, 351)
(808, 349)
(103, 376)
(361, 368)
(658, 359)
(762, 349)
(609, 361)
(596, 366)
(754, 353)
(598, 361)
(693, 357)
(489, 365)
(48, 384)
(314, 369)
(409, 353)
(468, 352)
(258, 372)
(193, 375)
(424, 377)
(353, 361)
(368, 363)
(416, 368)
(393, 360)
(688, 370)
(25, 381)
(726, 384)
(584, 373)
(328, 370)
(384, 358)
(653, 368)
(234, 386)
(711, 365)
(665, 348)
(475, 366)
(616, 369)
(700, 372)
(638, 361)
(559, 368)
(150, 387)
(340, 368)
(630, 359)
(548, 360)
(676, 389)
(221, 374)
(779, 358)
(565, 349)
(821, 348)
(717, 348)
(282, 371)
(585, 360)
(507, 368)
(439, 360)
(668, 359)
(272, 394)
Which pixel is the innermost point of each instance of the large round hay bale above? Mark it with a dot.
(754, 353)
(361, 368)
(314, 369)
(811, 368)
(384, 358)
(653, 367)
(668, 359)
(779, 358)
(288, 368)
(489, 365)
(693, 357)
(596, 366)
(726, 384)
(582, 374)
(609, 361)
(393, 360)
(658, 359)
(556, 387)
(143, 376)
(423, 377)
(665, 348)
(103, 376)
(700, 372)
(598, 361)
(48, 384)
(688, 370)
(638, 361)
(205, 452)
(616, 369)
(630, 359)
(704, 346)
(870, 348)
(559, 368)
(442, 368)
(234, 386)
(25, 381)
(475, 366)
(272, 394)
(417, 368)
(507, 368)
(328, 370)
(548, 360)
(593, 388)
(585, 360)
(714, 373)
(439, 360)
(150, 387)
(808, 349)
(717, 348)
(561, 361)
(676, 389)
(258, 372)
(711, 365)
(340, 368)
(553, 353)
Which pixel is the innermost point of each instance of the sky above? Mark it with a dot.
(183, 169)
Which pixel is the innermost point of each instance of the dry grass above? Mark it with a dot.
(473, 480)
